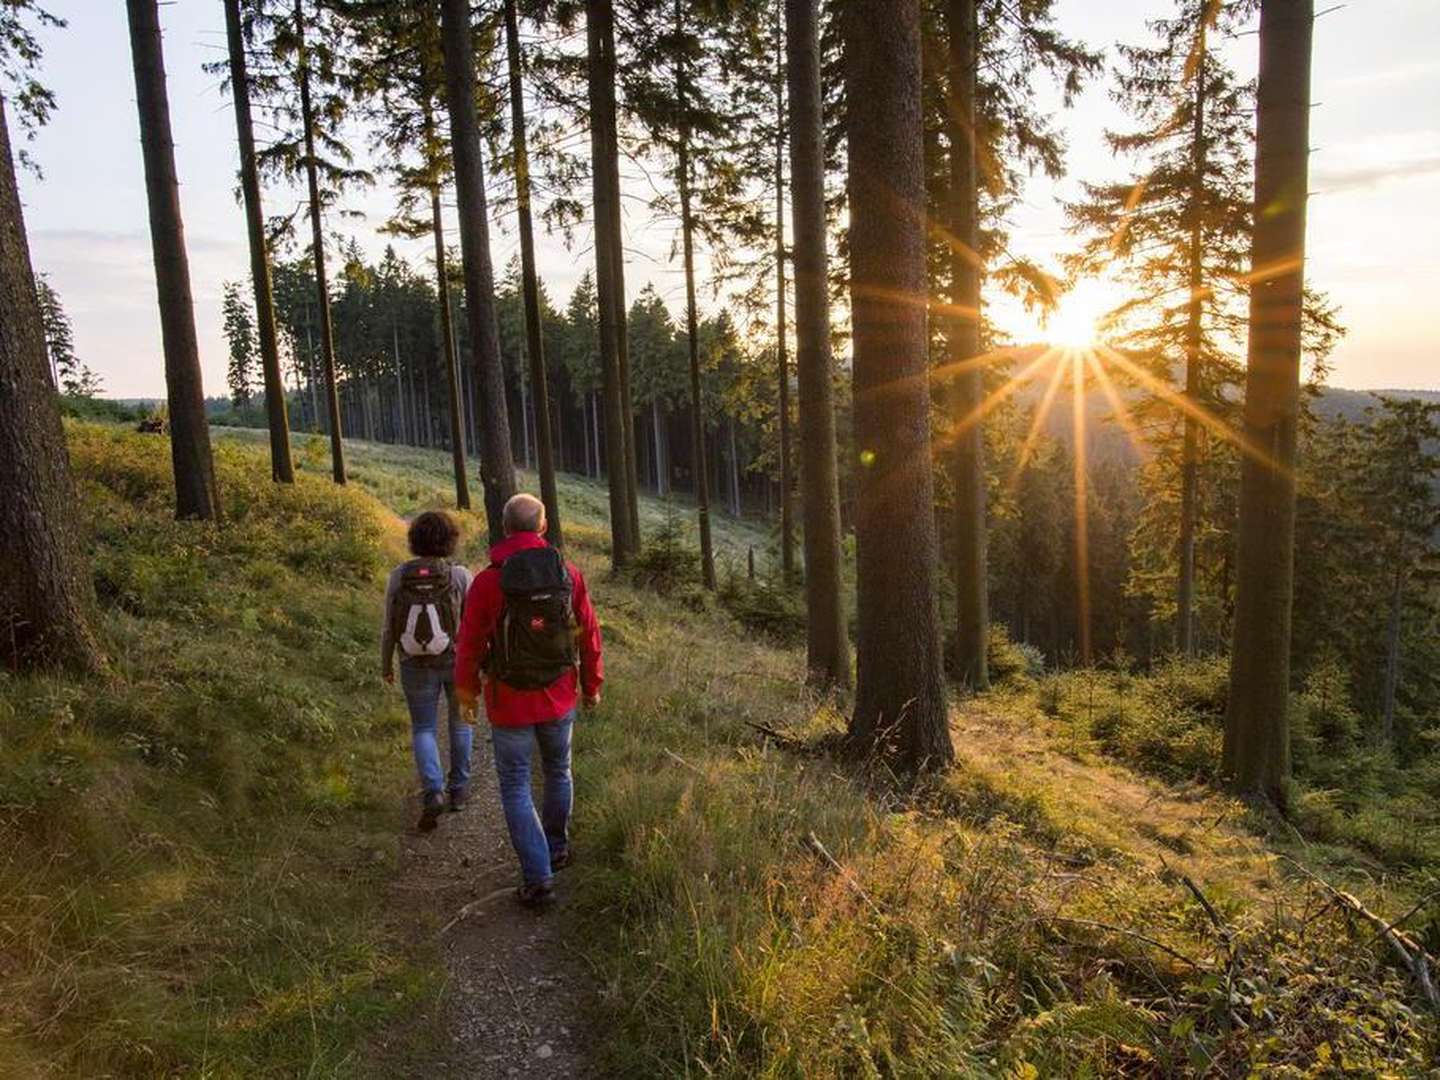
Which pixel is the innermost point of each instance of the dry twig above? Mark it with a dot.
(1406, 949)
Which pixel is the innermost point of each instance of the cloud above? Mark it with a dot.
(1359, 177)
(1387, 76)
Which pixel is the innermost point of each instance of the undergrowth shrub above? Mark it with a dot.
(1010, 660)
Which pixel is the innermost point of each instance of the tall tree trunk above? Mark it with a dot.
(900, 698)
(47, 602)
(497, 463)
(195, 492)
(1190, 461)
(401, 432)
(827, 643)
(534, 336)
(782, 330)
(735, 506)
(692, 320)
(282, 466)
(609, 284)
(1257, 733)
(429, 430)
(315, 424)
(1392, 654)
(452, 354)
(317, 246)
(595, 431)
(662, 472)
(967, 381)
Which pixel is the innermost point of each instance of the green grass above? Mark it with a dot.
(195, 848)
(194, 845)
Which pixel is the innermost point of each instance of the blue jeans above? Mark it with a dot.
(422, 686)
(536, 836)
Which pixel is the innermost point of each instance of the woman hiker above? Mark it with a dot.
(424, 600)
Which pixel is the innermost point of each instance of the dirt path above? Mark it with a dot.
(515, 984)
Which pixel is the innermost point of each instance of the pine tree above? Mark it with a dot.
(1179, 232)
(195, 492)
(239, 326)
(983, 107)
(534, 337)
(399, 69)
(68, 374)
(282, 466)
(46, 597)
(301, 87)
(610, 282)
(967, 468)
(1401, 498)
(497, 465)
(1257, 735)
(827, 641)
(900, 696)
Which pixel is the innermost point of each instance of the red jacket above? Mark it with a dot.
(506, 706)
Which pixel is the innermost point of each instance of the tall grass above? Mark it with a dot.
(193, 846)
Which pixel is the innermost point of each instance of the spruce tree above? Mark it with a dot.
(195, 492)
(47, 601)
(1257, 735)
(900, 700)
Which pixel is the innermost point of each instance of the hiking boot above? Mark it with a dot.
(430, 815)
(535, 895)
(561, 859)
(458, 798)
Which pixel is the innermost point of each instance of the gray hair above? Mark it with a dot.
(523, 513)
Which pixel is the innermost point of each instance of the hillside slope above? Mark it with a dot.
(198, 854)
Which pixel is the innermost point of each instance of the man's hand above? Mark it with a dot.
(389, 678)
(591, 701)
(469, 710)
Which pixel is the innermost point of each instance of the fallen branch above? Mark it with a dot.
(813, 843)
(1406, 949)
(681, 761)
(1128, 933)
(1200, 897)
(778, 736)
(474, 906)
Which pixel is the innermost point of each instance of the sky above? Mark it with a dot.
(1374, 215)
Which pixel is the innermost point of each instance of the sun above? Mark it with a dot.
(1075, 322)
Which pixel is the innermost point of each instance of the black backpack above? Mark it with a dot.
(534, 641)
(423, 616)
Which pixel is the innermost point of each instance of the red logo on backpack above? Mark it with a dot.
(537, 623)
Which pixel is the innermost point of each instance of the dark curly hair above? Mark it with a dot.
(433, 535)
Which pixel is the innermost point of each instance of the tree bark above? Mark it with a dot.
(1257, 733)
(1190, 462)
(1392, 654)
(282, 465)
(497, 463)
(317, 246)
(967, 453)
(609, 284)
(195, 492)
(900, 705)
(782, 354)
(47, 601)
(827, 642)
(534, 336)
(735, 505)
(692, 320)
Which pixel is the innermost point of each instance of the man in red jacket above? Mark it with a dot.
(529, 638)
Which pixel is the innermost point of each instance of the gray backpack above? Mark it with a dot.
(423, 616)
